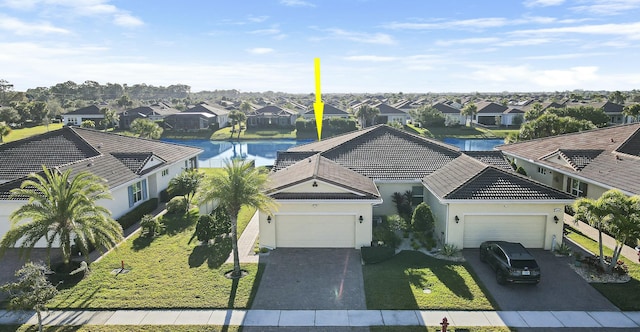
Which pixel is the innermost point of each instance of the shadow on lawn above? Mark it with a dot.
(214, 254)
(444, 271)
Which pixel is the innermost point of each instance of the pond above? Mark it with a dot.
(264, 152)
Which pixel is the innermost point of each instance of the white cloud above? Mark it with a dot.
(562, 56)
(607, 7)
(257, 19)
(543, 3)
(370, 58)
(126, 20)
(22, 28)
(297, 3)
(545, 79)
(628, 30)
(476, 23)
(467, 41)
(359, 37)
(260, 50)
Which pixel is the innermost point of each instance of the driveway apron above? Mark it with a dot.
(308, 279)
(560, 287)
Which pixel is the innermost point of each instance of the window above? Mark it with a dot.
(542, 170)
(576, 187)
(137, 192)
(417, 195)
(165, 172)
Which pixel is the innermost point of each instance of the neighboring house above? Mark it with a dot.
(508, 117)
(272, 116)
(612, 110)
(330, 192)
(330, 111)
(190, 121)
(135, 169)
(75, 118)
(488, 112)
(584, 164)
(221, 114)
(155, 112)
(389, 114)
(452, 114)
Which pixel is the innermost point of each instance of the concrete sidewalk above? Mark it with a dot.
(329, 318)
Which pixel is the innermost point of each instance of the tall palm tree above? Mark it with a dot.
(62, 209)
(623, 222)
(367, 114)
(110, 117)
(595, 213)
(239, 184)
(469, 111)
(237, 117)
(146, 128)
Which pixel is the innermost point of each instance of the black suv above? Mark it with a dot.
(511, 261)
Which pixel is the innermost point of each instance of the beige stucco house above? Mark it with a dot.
(331, 192)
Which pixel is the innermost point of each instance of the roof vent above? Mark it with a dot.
(99, 146)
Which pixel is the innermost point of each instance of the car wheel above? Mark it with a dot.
(501, 277)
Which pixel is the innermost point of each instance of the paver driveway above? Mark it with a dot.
(322, 279)
(560, 288)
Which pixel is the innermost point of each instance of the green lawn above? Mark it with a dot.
(225, 134)
(625, 296)
(165, 272)
(21, 133)
(398, 283)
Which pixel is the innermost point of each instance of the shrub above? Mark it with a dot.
(150, 225)
(204, 229)
(177, 205)
(386, 235)
(136, 214)
(563, 249)
(396, 223)
(403, 204)
(450, 250)
(372, 255)
(521, 170)
(422, 220)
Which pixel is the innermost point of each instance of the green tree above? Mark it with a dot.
(31, 291)
(124, 101)
(595, 115)
(62, 209)
(428, 116)
(245, 107)
(5, 130)
(632, 110)
(617, 97)
(237, 117)
(239, 184)
(534, 112)
(550, 124)
(623, 220)
(9, 115)
(186, 184)
(403, 205)
(88, 124)
(469, 111)
(367, 114)
(594, 212)
(110, 117)
(146, 128)
(422, 219)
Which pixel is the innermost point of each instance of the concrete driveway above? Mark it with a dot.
(560, 288)
(321, 279)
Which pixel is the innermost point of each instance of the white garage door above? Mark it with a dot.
(315, 231)
(528, 230)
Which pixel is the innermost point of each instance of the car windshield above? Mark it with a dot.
(521, 264)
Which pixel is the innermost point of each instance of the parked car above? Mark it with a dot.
(511, 261)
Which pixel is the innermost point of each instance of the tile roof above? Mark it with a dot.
(495, 158)
(206, 108)
(617, 166)
(325, 170)
(446, 109)
(272, 110)
(287, 158)
(91, 109)
(469, 179)
(110, 156)
(386, 109)
(490, 107)
(579, 159)
(329, 110)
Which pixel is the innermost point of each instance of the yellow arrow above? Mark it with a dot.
(318, 106)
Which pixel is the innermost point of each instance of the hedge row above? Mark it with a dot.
(136, 214)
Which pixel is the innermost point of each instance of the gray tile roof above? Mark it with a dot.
(612, 167)
(579, 159)
(91, 109)
(206, 108)
(287, 158)
(329, 110)
(322, 169)
(495, 158)
(446, 109)
(112, 157)
(490, 107)
(469, 179)
(386, 110)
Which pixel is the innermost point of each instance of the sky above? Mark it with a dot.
(363, 45)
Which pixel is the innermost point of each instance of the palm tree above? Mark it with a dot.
(595, 212)
(367, 114)
(245, 107)
(146, 128)
(632, 110)
(469, 111)
(186, 184)
(60, 210)
(623, 222)
(110, 117)
(239, 184)
(237, 117)
(5, 129)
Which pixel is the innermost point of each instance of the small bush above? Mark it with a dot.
(396, 223)
(136, 214)
(563, 249)
(150, 225)
(422, 220)
(372, 255)
(450, 250)
(387, 236)
(177, 205)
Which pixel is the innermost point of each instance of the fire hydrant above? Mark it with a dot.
(444, 324)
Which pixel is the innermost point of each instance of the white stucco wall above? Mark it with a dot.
(386, 191)
(363, 231)
(455, 231)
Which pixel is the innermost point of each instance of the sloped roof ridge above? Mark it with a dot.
(578, 133)
(628, 145)
(333, 141)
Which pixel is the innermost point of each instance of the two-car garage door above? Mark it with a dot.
(315, 231)
(526, 229)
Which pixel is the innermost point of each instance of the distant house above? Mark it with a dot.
(389, 114)
(452, 114)
(272, 116)
(190, 121)
(612, 110)
(489, 112)
(510, 114)
(75, 118)
(221, 114)
(135, 169)
(155, 112)
(330, 111)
